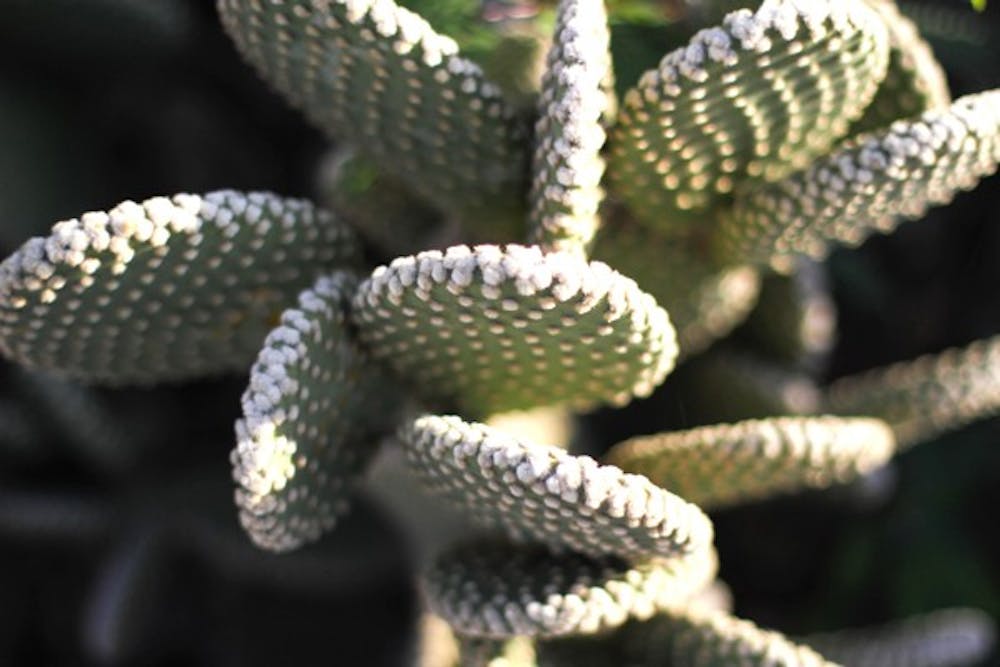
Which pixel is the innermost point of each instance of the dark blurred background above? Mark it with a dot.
(118, 542)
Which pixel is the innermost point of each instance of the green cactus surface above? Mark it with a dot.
(491, 328)
(577, 101)
(492, 591)
(541, 494)
(758, 97)
(867, 185)
(309, 421)
(168, 289)
(720, 465)
(378, 74)
(924, 398)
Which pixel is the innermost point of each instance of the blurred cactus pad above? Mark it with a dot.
(553, 285)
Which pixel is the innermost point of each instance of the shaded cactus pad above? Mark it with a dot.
(164, 290)
(492, 328)
(376, 74)
(500, 591)
(717, 465)
(308, 421)
(541, 494)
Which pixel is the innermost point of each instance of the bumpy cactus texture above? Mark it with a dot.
(163, 290)
(492, 329)
(494, 245)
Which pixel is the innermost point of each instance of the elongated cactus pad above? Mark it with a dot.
(496, 591)
(729, 463)
(166, 290)
(705, 301)
(696, 638)
(541, 494)
(944, 638)
(376, 75)
(574, 104)
(758, 97)
(914, 81)
(490, 329)
(924, 398)
(308, 421)
(867, 185)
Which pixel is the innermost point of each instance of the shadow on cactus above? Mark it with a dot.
(606, 240)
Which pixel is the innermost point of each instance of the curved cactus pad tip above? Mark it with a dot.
(567, 165)
(761, 95)
(164, 290)
(373, 73)
(719, 465)
(699, 638)
(502, 591)
(867, 185)
(308, 417)
(541, 494)
(926, 397)
(491, 328)
(914, 81)
(957, 636)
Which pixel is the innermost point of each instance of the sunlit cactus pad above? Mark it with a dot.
(574, 105)
(164, 290)
(923, 398)
(499, 591)
(867, 185)
(758, 97)
(489, 329)
(541, 494)
(728, 463)
(377, 75)
(308, 424)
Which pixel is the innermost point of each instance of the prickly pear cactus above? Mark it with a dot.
(567, 265)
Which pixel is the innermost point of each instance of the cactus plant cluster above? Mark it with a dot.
(568, 252)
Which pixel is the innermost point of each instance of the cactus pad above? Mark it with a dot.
(498, 591)
(307, 425)
(542, 494)
(374, 74)
(914, 81)
(490, 329)
(575, 100)
(758, 97)
(867, 185)
(164, 290)
(729, 463)
(924, 398)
